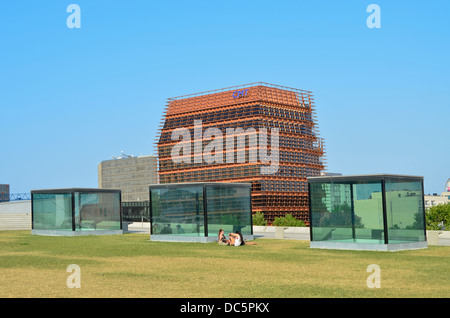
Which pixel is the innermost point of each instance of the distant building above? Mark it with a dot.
(240, 118)
(4, 192)
(435, 199)
(130, 174)
(324, 173)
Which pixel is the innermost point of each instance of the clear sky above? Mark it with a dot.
(71, 98)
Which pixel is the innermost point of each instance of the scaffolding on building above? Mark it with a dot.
(256, 105)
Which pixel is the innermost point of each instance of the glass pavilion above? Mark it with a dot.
(368, 212)
(194, 212)
(72, 212)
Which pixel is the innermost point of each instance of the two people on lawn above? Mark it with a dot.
(235, 239)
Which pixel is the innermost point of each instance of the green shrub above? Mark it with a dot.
(258, 219)
(437, 216)
(288, 220)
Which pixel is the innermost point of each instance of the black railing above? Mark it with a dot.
(136, 211)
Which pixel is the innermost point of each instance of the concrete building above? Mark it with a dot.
(436, 199)
(15, 215)
(130, 174)
(325, 173)
(4, 192)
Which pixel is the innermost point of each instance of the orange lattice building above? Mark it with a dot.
(273, 127)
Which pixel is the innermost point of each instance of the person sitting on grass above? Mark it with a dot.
(237, 239)
(222, 239)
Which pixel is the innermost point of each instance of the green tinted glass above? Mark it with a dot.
(52, 212)
(97, 211)
(404, 210)
(178, 211)
(368, 212)
(228, 208)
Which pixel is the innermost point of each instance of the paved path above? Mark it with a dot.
(287, 236)
(444, 241)
(145, 229)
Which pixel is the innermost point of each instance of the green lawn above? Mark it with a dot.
(130, 265)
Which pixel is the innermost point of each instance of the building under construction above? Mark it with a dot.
(259, 133)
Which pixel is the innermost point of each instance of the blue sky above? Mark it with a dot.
(70, 98)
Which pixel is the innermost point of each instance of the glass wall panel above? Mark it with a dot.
(228, 208)
(331, 215)
(368, 212)
(404, 210)
(318, 196)
(178, 211)
(97, 211)
(52, 212)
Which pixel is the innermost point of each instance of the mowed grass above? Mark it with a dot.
(132, 266)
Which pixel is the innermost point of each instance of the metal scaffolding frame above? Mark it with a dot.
(257, 105)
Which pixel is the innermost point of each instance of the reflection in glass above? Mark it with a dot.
(368, 212)
(200, 210)
(73, 210)
(331, 215)
(404, 211)
(228, 209)
(52, 211)
(178, 211)
(97, 211)
(355, 209)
